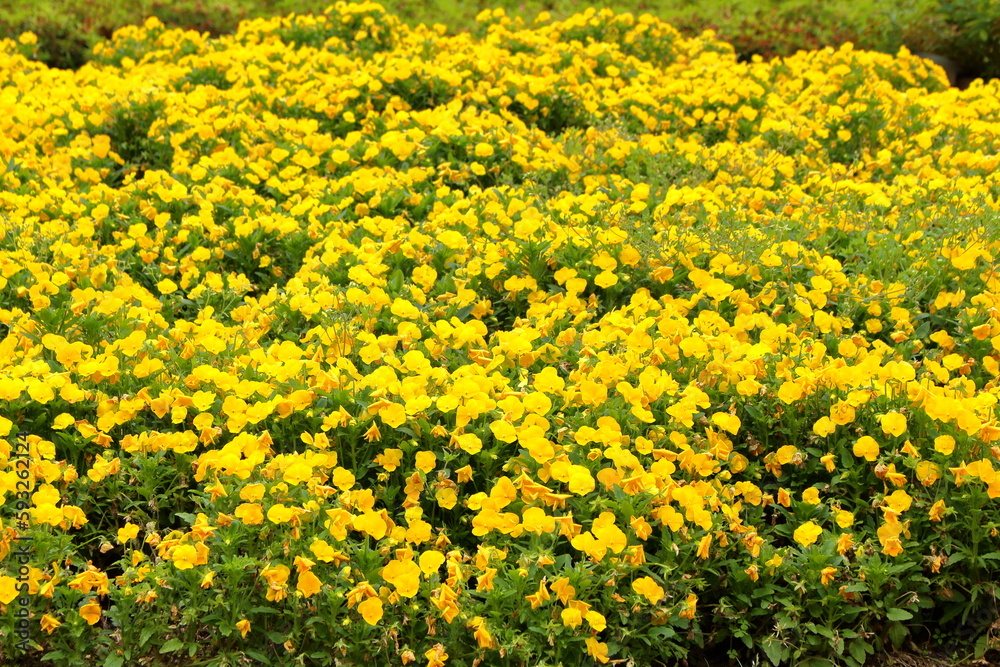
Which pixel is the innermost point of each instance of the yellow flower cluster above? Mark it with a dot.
(530, 327)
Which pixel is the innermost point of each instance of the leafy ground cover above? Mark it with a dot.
(337, 340)
(965, 31)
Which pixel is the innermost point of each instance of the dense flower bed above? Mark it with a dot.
(337, 341)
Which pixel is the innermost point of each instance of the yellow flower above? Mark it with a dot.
(690, 606)
(866, 447)
(8, 589)
(371, 523)
(62, 421)
(899, 501)
(535, 520)
(893, 424)
(571, 617)
(252, 492)
(824, 426)
(597, 650)
(373, 434)
(390, 459)
(807, 533)
(648, 588)
(892, 547)
(596, 620)
(704, 545)
(127, 532)
(50, 623)
(243, 626)
(91, 612)
(727, 422)
(606, 279)
(277, 578)
(470, 443)
(789, 392)
(426, 461)
(392, 415)
(308, 584)
(48, 513)
(278, 514)
(538, 597)
(430, 562)
(927, 473)
(404, 575)
(184, 556)
(371, 610)
(827, 575)
(604, 535)
(252, 514)
(641, 527)
(436, 656)
(945, 444)
(842, 413)
(481, 634)
(580, 482)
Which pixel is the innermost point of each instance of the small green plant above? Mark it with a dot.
(128, 129)
(975, 26)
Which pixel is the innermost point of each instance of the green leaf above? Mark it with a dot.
(898, 615)
(897, 633)
(264, 610)
(113, 660)
(858, 649)
(813, 662)
(172, 645)
(774, 650)
(981, 644)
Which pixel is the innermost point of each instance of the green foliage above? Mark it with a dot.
(129, 131)
(967, 31)
(975, 26)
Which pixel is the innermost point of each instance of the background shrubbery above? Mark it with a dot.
(966, 31)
